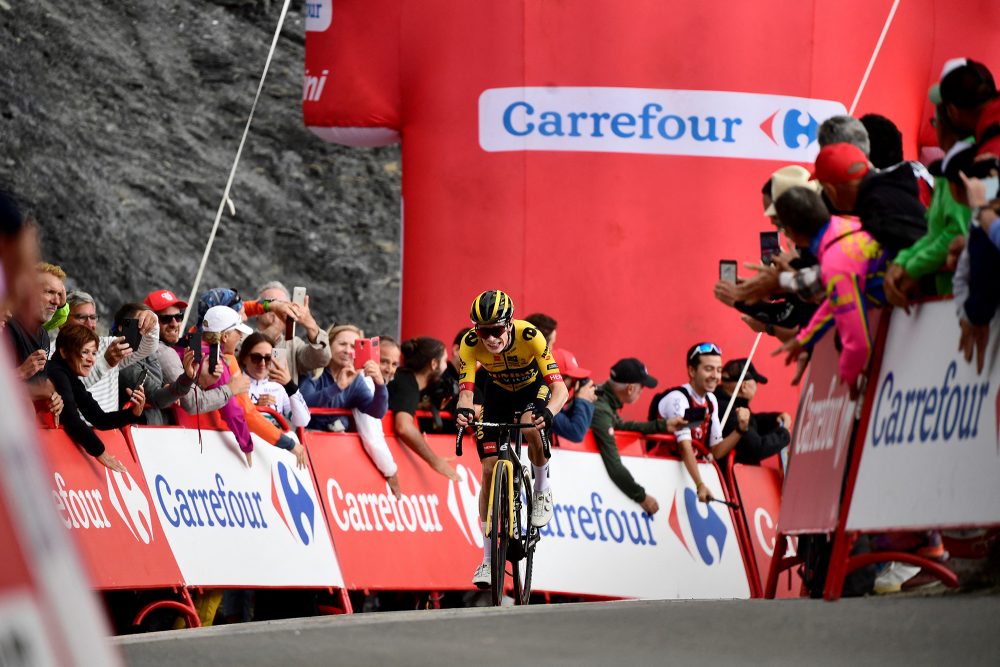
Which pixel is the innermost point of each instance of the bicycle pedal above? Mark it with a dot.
(515, 551)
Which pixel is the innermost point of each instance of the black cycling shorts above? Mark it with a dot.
(500, 405)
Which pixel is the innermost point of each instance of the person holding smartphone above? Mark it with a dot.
(342, 385)
(573, 421)
(695, 401)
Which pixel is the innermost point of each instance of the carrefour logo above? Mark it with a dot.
(600, 522)
(698, 532)
(131, 504)
(83, 508)
(293, 503)
(652, 121)
(792, 128)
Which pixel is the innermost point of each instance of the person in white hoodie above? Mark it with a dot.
(271, 384)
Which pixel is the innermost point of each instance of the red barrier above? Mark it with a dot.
(424, 540)
(758, 490)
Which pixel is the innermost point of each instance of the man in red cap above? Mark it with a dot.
(888, 202)
(170, 312)
(573, 421)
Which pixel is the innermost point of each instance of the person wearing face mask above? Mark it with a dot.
(74, 358)
(424, 360)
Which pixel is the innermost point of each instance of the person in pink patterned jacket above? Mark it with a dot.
(852, 268)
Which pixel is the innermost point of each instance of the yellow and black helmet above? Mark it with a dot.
(492, 307)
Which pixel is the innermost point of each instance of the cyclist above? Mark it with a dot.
(522, 377)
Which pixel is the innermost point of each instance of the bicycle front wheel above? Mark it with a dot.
(499, 533)
(522, 567)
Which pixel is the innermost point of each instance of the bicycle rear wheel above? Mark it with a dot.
(499, 533)
(521, 569)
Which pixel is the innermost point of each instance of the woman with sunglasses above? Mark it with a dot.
(271, 385)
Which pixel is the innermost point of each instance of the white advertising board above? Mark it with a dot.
(233, 525)
(600, 542)
(932, 448)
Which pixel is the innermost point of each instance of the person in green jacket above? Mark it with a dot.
(946, 219)
(628, 378)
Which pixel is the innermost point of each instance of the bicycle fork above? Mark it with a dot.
(510, 496)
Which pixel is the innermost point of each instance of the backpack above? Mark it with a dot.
(895, 216)
(654, 411)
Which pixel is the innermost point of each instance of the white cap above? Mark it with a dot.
(223, 318)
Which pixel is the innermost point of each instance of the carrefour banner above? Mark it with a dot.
(234, 525)
(110, 514)
(600, 542)
(932, 448)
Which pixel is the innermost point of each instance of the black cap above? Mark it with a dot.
(731, 371)
(631, 370)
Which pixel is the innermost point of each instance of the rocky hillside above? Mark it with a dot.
(119, 122)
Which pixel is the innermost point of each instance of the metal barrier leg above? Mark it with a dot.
(345, 600)
(837, 571)
(777, 565)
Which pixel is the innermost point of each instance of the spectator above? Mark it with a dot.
(887, 202)
(628, 377)
(74, 358)
(970, 99)
(160, 392)
(30, 340)
(389, 356)
(844, 130)
(307, 355)
(19, 292)
(704, 368)
(851, 266)
(573, 421)
(946, 219)
(448, 383)
(271, 385)
(341, 385)
(767, 433)
(545, 324)
(424, 361)
(170, 313)
(114, 354)
(223, 326)
(885, 139)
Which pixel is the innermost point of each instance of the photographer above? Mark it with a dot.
(424, 361)
(573, 421)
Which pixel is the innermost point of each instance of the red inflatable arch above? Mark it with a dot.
(596, 159)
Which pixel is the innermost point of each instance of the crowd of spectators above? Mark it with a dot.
(863, 229)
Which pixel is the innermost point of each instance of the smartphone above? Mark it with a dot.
(194, 342)
(727, 270)
(142, 378)
(130, 330)
(214, 357)
(769, 246)
(693, 415)
(366, 349)
(299, 295)
(276, 354)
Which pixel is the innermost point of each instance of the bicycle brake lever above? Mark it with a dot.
(458, 441)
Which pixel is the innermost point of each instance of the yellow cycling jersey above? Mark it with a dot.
(526, 357)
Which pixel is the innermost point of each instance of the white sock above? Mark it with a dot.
(541, 477)
(487, 551)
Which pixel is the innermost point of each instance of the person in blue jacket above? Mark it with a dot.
(573, 421)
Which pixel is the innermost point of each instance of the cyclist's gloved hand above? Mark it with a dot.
(469, 416)
(543, 414)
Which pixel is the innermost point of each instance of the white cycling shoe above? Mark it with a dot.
(482, 577)
(541, 511)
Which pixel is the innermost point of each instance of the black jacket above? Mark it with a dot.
(76, 401)
(890, 208)
(763, 438)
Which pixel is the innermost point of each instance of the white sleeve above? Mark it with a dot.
(373, 439)
(147, 346)
(716, 424)
(673, 405)
(959, 283)
(299, 410)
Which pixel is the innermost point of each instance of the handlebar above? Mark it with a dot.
(546, 442)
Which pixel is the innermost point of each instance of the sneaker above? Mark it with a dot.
(541, 511)
(482, 577)
(892, 577)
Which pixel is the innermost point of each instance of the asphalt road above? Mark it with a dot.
(908, 631)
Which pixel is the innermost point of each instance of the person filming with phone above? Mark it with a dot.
(348, 381)
(573, 421)
(695, 402)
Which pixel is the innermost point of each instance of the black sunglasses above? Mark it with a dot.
(176, 317)
(256, 358)
(491, 331)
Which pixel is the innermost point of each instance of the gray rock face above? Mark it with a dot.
(119, 123)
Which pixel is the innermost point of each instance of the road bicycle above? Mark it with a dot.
(508, 524)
